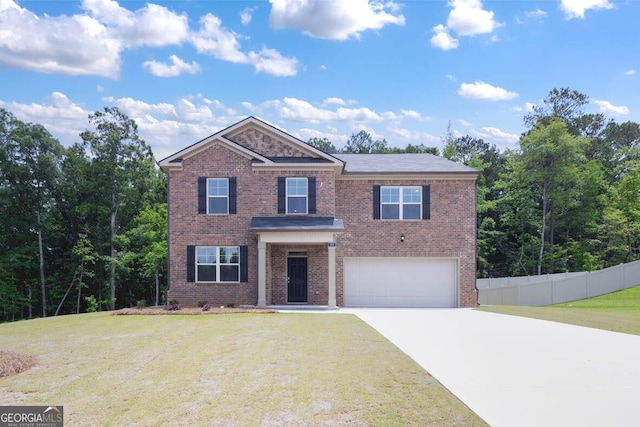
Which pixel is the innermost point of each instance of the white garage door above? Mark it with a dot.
(400, 282)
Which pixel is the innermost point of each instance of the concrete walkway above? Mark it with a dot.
(514, 371)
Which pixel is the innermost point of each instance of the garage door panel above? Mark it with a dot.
(400, 282)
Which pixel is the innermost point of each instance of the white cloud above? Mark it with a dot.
(136, 108)
(217, 105)
(270, 61)
(152, 25)
(451, 77)
(411, 114)
(75, 45)
(222, 43)
(494, 134)
(537, 15)
(252, 108)
(303, 111)
(606, 107)
(90, 43)
(215, 40)
(468, 18)
(323, 67)
(412, 136)
(177, 67)
(247, 14)
(528, 106)
(442, 39)
(482, 90)
(99, 89)
(189, 112)
(171, 127)
(334, 20)
(333, 100)
(465, 123)
(629, 72)
(62, 117)
(334, 137)
(576, 8)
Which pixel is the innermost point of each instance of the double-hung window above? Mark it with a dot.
(217, 264)
(218, 196)
(402, 203)
(297, 195)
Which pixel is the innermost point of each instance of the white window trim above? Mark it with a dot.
(401, 202)
(217, 197)
(218, 264)
(306, 196)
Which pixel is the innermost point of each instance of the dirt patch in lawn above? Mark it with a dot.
(191, 310)
(12, 363)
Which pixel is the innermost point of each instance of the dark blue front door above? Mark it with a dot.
(297, 279)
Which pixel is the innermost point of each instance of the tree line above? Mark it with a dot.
(567, 199)
(84, 228)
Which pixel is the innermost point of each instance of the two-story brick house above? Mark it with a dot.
(259, 217)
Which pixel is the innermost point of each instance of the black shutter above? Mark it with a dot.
(311, 183)
(376, 202)
(244, 263)
(202, 195)
(426, 202)
(191, 263)
(233, 184)
(282, 195)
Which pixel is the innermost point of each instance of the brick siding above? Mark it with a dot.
(449, 233)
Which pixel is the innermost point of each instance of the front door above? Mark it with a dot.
(297, 279)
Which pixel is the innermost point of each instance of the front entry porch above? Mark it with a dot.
(296, 263)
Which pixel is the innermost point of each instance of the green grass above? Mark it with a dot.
(224, 370)
(618, 311)
(628, 299)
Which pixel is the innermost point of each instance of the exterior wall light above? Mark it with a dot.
(402, 237)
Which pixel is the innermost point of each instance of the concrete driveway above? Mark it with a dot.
(514, 371)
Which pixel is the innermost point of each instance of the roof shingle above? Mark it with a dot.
(401, 163)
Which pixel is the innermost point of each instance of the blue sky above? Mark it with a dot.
(401, 70)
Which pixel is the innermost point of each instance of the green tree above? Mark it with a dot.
(122, 166)
(363, 143)
(30, 165)
(323, 144)
(548, 164)
(147, 245)
(623, 210)
(565, 104)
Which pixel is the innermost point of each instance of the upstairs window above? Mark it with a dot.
(218, 196)
(297, 195)
(402, 203)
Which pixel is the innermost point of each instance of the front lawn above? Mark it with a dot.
(618, 311)
(223, 370)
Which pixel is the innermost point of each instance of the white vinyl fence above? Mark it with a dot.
(557, 288)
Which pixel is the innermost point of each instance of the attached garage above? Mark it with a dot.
(400, 282)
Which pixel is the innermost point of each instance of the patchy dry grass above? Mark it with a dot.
(235, 370)
(12, 363)
(618, 311)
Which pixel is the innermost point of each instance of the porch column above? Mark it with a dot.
(262, 274)
(331, 246)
